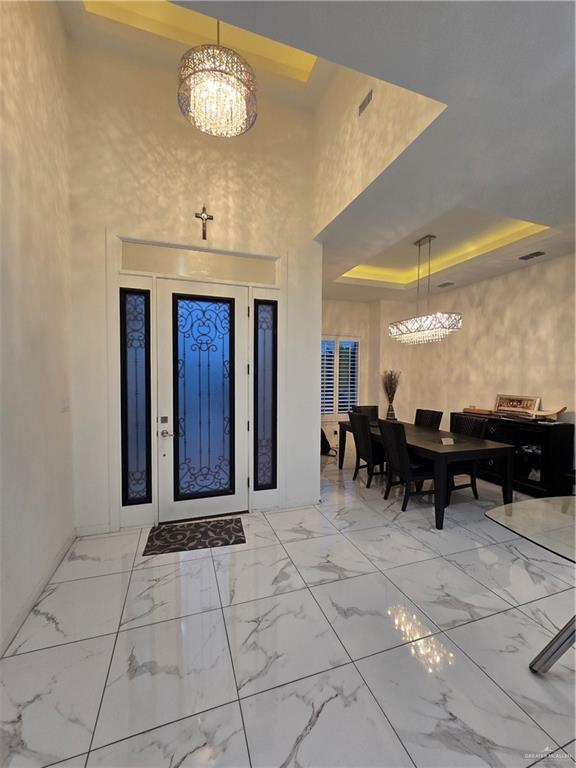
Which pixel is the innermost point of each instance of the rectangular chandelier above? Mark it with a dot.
(425, 328)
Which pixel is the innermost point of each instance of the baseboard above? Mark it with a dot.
(267, 508)
(94, 530)
(10, 633)
(133, 517)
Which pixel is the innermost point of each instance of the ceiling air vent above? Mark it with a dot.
(447, 284)
(365, 101)
(533, 255)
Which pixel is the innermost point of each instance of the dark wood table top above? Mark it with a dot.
(429, 441)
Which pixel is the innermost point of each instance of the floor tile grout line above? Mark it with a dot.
(217, 556)
(65, 760)
(57, 645)
(50, 583)
(397, 527)
(460, 567)
(154, 728)
(113, 652)
(445, 633)
(276, 687)
(503, 545)
(299, 589)
(545, 597)
(11, 641)
(410, 600)
(232, 664)
(124, 629)
(316, 601)
(504, 691)
(543, 569)
(377, 569)
(504, 610)
(354, 663)
(385, 715)
(88, 578)
(421, 561)
(446, 560)
(471, 621)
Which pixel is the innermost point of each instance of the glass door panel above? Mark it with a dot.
(203, 376)
(202, 399)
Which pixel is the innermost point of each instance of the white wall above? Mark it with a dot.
(139, 169)
(517, 337)
(302, 377)
(36, 512)
(351, 150)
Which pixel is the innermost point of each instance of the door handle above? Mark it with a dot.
(165, 433)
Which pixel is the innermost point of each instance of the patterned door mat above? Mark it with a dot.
(199, 534)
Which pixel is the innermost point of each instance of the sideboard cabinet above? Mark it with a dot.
(543, 456)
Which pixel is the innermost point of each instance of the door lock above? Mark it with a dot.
(165, 433)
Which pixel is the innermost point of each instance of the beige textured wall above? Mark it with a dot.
(139, 169)
(517, 338)
(36, 512)
(350, 151)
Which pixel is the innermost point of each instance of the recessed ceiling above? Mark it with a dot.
(461, 235)
(504, 144)
(553, 243)
(159, 39)
(185, 26)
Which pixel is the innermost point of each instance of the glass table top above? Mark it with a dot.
(547, 522)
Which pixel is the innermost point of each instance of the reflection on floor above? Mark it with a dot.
(346, 634)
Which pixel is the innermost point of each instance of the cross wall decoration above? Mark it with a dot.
(206, 217)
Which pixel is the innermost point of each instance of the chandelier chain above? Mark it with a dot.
(433, 326)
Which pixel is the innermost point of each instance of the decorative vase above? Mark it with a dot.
(390, 381)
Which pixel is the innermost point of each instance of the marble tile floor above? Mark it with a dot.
(346, 634)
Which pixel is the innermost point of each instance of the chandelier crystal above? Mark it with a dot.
(426, 328)
(217, 90)
(423, 329)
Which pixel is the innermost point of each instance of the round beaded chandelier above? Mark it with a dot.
(217, 90)
(433, 326)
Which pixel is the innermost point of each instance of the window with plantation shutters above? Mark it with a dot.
(347, 375)
(327, 369)
(339, 375)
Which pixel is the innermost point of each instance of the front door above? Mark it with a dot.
(202, 399)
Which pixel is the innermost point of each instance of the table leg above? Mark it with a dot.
(341, 446)
(507, 481)
(440, 486)
(558, 646)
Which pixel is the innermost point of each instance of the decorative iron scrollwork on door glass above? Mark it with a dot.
(265, 393)
(203, 335)
(135, 396)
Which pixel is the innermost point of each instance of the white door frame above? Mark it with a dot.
(116, 278)
(213, 504)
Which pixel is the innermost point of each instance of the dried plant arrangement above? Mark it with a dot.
(390, 380)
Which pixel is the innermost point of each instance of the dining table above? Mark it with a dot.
(443, 448)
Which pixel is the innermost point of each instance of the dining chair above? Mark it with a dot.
(401, 465)
(470, 426)
(370, 410)
(430, 419)
(367, 448)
